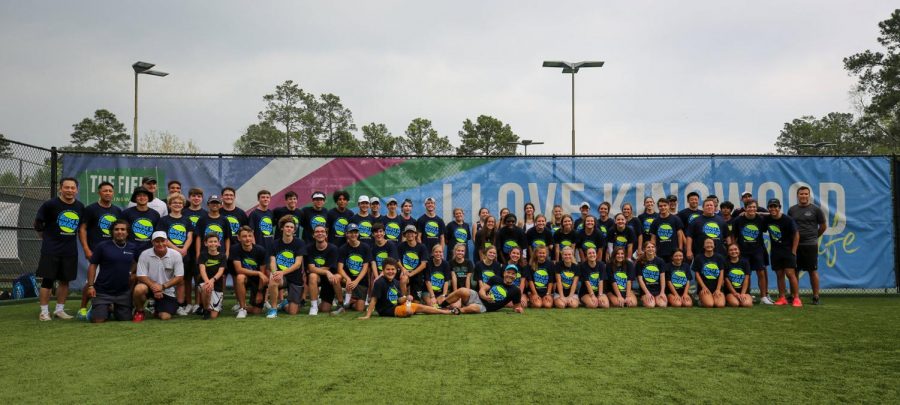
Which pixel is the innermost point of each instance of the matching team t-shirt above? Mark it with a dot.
(354, 258)
(141, 224)
(285, 255)
(99, 220)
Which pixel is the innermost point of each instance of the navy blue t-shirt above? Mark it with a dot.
(622, 238)
(535, 239)
(285, 255)
(379, 253)
(114, 267)
(253, 259)
(543, 275)
(178, 230)
(781, 233)
(60, 223)
(687, 216)
(438, 275)
(99, 221)
(651, 272)
(502, 294)
(680, 275)
(484, 272)
(310, 218)
(593, 275)
(263, 228)
(621, 277)
(354, 258)
(393, 228)
(594, 240)
(704, 228)
(646, 222)
(279, 213)
(411, 257)
(337, 224)
(207, 225)
(430, 229)
(749, 234)
(708, 269)
(457, 233)
(736, 274)
(666, 232)
(236, 219)
(142, 223)
(387, 296)
(322, 258)
(365, 228)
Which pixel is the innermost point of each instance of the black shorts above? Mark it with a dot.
(326, 291)
(166, 304)
(219, 285)
(361, 290)
(710, 285)
(783, 260)
(253, 289)
(807, 257)
(190, 266)
(61, 268)
(758, 260)
(654, 291)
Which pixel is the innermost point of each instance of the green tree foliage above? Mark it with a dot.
(167, 142)
(5, 147)
(103, 133)
(877, 128)
(288, 110)
(262, 138)
(421, 139)
(840, 130)
(377, 140)
(486, 136)
(332, 127)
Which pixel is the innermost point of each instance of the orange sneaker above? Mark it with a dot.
(797, 303)
(781, 301)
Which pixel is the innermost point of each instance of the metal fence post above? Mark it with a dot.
(54, 166)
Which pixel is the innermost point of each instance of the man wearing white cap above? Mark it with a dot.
(431, 226)
(363, 221)
(313, 216)
(159, 270)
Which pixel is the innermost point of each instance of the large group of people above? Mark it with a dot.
(175, 256)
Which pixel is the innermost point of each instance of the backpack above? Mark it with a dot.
(25, 286)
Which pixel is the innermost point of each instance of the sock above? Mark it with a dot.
(346, 299)
(314, 304)
(60, 307)
(45, 309)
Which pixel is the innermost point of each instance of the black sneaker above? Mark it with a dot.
(206, 315)
(454, 311)
(815, 300)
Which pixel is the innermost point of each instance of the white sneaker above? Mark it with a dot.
(242, 313)
(182, 311)
(314, 311)
(767, 301)
(236, 307)
(267, 306)
(62, 315)
(45, 317)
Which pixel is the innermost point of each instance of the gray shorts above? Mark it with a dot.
(295, 293)
(475, 299)
(121, 305)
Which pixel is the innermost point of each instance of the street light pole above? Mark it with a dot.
(141, 68)
(570, 67)
(525, 143)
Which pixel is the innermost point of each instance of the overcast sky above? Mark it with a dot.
(680, 77)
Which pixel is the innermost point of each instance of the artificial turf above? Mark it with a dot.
(843, 351)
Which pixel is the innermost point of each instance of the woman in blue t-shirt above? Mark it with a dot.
(566, 280)
(593, 273)
(541, 279)
(709, 269)
(678, 279)
(651, 275)
(737, 279)
(621, 274)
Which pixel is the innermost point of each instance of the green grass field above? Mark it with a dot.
(844, 351)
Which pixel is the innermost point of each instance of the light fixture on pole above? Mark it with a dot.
(525, 143)
(258, 144)
(141, 68)
(570, 67)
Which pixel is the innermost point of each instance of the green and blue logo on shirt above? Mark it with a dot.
(67, 221)
(142, 228)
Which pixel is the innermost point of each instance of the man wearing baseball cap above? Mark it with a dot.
(213, 222)
(149, 184)
(393, 223)
(784, 238)
(353, 266)
(313, 216)
(141, 219)
(585, 210)
(492, 296)
(745, 199)
(159, 270)
(363, 221)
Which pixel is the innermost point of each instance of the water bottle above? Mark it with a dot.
(18, 291)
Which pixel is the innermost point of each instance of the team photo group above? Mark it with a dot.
(174, 256)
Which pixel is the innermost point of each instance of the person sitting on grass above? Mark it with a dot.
(593, 272)
(566, 280)
(708, 269)
(541, 279)
(737, 279)
(651, 275)
(678, 279)
(491, 296)
(285, 268)
(159, 270)
(437, 277)
(212, 269)
(621, 274)
(387, 300)
(110, 288)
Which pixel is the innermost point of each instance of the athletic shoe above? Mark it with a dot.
(197, 310)
(781, 301)
(242, 313)
(314, 311)
(45, 317)
(282, 305)
(138, 317)
(454, 311)
(267, 306)
(236, 307)
(182, 311)
(338, 311)
(273, 313)
(797, 303)
(206, 315)
(62, 315)
(82, 314)
(815, 301)
(766, 301)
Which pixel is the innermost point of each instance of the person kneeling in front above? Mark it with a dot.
(159, 270)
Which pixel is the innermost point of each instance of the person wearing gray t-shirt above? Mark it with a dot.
(811, 224)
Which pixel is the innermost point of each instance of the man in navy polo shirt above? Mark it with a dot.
(110, 286)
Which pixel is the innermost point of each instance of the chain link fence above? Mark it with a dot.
(26, 178)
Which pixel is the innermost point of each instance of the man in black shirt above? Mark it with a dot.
(290, 208)
(56, 223)
(96, 227)
(692, 212)
(338, 218)
(313, 216)
(431, 226)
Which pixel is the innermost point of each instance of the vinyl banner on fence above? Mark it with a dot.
(855, 193)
